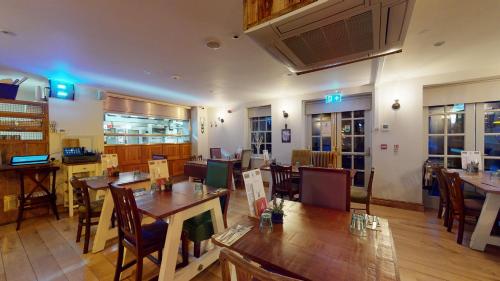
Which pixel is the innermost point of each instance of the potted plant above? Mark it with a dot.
(277, 212)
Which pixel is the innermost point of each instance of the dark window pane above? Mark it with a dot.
(316, 144)
(359, 127)
(359, 162)
(346, 114)
(454, 163)
(255, 125)
(262, 137)
(359, 179)
(436, 109)
(346, 161)
(254, 149)
(456, 144)
(436, 124)
(459, 107)
(492, 145)
(269, 123)
(492, 122)
(261, 150)
(347, 144)
(436, 145)
(326, 117)
(437, 160)
(269, 148)
(262, 126)
(316, 117)
(492, 105)
(254, 137)
(268, 137)
(456, 123)
(359, 114)
(316, 129)
(359, 144)
(327, 144)
(492, 164)
(346, 127)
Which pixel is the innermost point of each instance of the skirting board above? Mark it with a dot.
(398, 204)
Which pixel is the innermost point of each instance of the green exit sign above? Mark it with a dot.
(333, 98)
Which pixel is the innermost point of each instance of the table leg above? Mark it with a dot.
(170, 251)
(104, 230)
(70, 199)
(482, 233)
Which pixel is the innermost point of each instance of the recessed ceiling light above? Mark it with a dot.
(236, 36)
(213, 44)
(176, 77)
(439, 43)
(7, 32)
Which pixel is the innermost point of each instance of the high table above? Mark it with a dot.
(198, 168)
(104, 230)
(176, 206)
(490, 184)
(315, 244)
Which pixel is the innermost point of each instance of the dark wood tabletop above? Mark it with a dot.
(10, 168)
(162, 204)
(102, 182)
(316, 244)
(486, 181)
(204, 162)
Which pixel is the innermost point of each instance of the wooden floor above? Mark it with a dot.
(45, 249)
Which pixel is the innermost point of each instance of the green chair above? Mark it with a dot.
(361, 195)
(200, 227)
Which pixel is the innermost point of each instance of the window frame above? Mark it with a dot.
(259, 131)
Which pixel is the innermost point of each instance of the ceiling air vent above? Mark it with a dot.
(333, 33)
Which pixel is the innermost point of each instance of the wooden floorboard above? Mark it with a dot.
(425, 250)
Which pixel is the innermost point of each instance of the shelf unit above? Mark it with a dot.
(24, 130)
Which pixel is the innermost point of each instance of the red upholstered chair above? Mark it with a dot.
(323, 187)
(215, 153)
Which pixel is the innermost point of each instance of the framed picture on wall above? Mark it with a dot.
(286, 135)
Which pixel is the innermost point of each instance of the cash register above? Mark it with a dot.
(73, 155)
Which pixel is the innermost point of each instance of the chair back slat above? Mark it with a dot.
(129, 220)
(443, 186)
(215, 153)
(323, 187)
(326, 159)
(81, 192)
(246, 270)
(281, 177)
(370, 185)
(455, 193)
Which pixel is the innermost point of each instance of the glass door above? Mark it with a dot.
(354, 138)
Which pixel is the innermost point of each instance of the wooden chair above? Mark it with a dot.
(460, 207)
(323, 187)
(87, 210)
(141, 240)
(302, 156)
(200, 228)
(246, 270)
(363, 196)
(246, 155)
(40, 195)
(215, 153)
(282, 182)
(444, 204)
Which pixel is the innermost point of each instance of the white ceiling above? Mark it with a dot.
(135, 47)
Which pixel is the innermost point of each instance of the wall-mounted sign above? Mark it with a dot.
(333, 98)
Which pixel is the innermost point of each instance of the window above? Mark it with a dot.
(491, 136)
(353, 144)
(321, 132)
(261, 134)
(446, 134)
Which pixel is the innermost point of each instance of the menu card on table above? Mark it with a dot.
(256, 195)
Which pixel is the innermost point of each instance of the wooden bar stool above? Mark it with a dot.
(40, 195)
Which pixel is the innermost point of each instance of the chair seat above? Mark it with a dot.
(473, 204)
(359, 195)
(199, 228)
(154, 233)
(95, 207)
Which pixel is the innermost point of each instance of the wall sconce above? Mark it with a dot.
(285, 114)
(221, 120)
(396, 105)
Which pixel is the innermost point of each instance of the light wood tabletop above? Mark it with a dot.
(486, 181)
(316, 244)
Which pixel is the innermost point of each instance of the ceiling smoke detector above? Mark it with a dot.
(176, 77)
(213, 44)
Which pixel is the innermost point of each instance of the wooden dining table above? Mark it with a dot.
(176, 206)
(315, 243)
(136, 180)
(488, 183)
